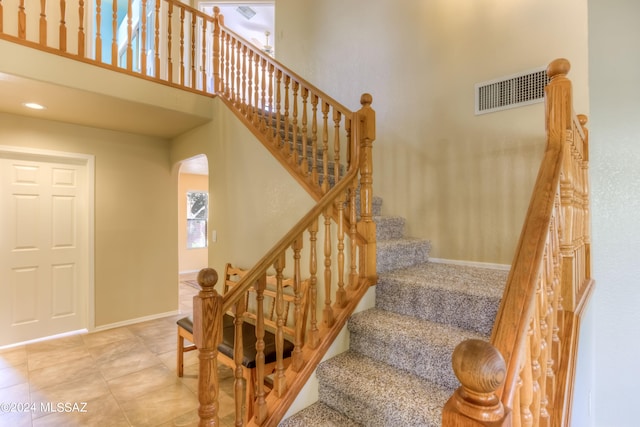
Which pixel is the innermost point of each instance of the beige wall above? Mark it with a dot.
(197, 258)
(253, 201)
(466, 178)
(135, 216)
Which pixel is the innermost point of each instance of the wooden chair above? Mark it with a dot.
(226, 349)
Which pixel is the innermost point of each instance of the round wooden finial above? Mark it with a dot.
(216, 10)
(207, 278)
(558, 67)
(366, 99)
(582, 119)
(479, 366)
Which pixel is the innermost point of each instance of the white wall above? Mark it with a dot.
(614, 69)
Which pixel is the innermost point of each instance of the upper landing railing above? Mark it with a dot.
(162, 40)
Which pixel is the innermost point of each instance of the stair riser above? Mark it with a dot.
(421, 359)
(366, 414)
(388, 228)
(401, 254)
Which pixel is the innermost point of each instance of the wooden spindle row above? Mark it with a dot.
(334, 254)
(136, 48)
(307, 129)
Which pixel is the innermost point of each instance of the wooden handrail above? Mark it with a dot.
(548, 286)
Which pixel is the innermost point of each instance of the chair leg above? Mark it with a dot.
(180, 355)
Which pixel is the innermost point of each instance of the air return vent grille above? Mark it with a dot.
(511, 92)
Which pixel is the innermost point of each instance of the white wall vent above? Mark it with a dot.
(511, 91)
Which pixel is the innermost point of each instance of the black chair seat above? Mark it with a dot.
(248, 341)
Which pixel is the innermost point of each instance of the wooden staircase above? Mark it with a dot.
(517, 371)
(397, 371)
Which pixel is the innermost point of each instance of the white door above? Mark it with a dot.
(43, 248)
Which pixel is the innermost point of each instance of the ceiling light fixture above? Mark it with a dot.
(246, 11)
(34, 106)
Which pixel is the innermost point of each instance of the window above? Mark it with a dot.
(197, 216)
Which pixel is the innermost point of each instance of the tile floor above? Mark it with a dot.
(118, 377)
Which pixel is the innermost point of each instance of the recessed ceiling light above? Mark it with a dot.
(34, 106)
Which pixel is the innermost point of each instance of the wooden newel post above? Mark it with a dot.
(481, 370)
(207, 334)
(366, 226)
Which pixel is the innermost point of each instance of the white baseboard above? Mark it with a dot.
(136, 320)
(505, 267)
(50, 337)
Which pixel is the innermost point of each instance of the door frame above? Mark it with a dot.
(87, 160)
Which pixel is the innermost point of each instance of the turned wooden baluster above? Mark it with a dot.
(43, 22)
(337, 118)
(366, 226)
(327, 318)
(169, 36)
(353, 235)
(98, 31)
(81, 42)
(63, 27)
(304, 130)
(260, 410)
(156, 41)
(256, 89)
(129, 35)
(263, 96)
(22, 21)
(239, 74)
(269, 116)
(1, 17)
(143, 39)
(286, 144)
(294, 123)
(296, 359)
(341, 293)
(314, 139)
(481, 370)
(325, 147)
(193, 79)
(218, 52)
(278, 116)
(232, 69)
(526, 392)
(207, 335)
(586, 232)
(239, 385)
(279, 379)
(114, 33)
(243, 79)
(536, 353)
(546, 313)
(203, 56)
(181, 50)
(314, 333)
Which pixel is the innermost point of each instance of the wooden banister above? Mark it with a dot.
(325, 146)
(549, 284)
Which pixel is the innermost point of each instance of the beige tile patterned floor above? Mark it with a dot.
(118, 377)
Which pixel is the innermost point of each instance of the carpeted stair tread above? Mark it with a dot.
(463, 296)
(376, 394)
(319, 415)
(419, 346)
(401, 253)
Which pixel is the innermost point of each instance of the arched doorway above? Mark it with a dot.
(193, 220)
